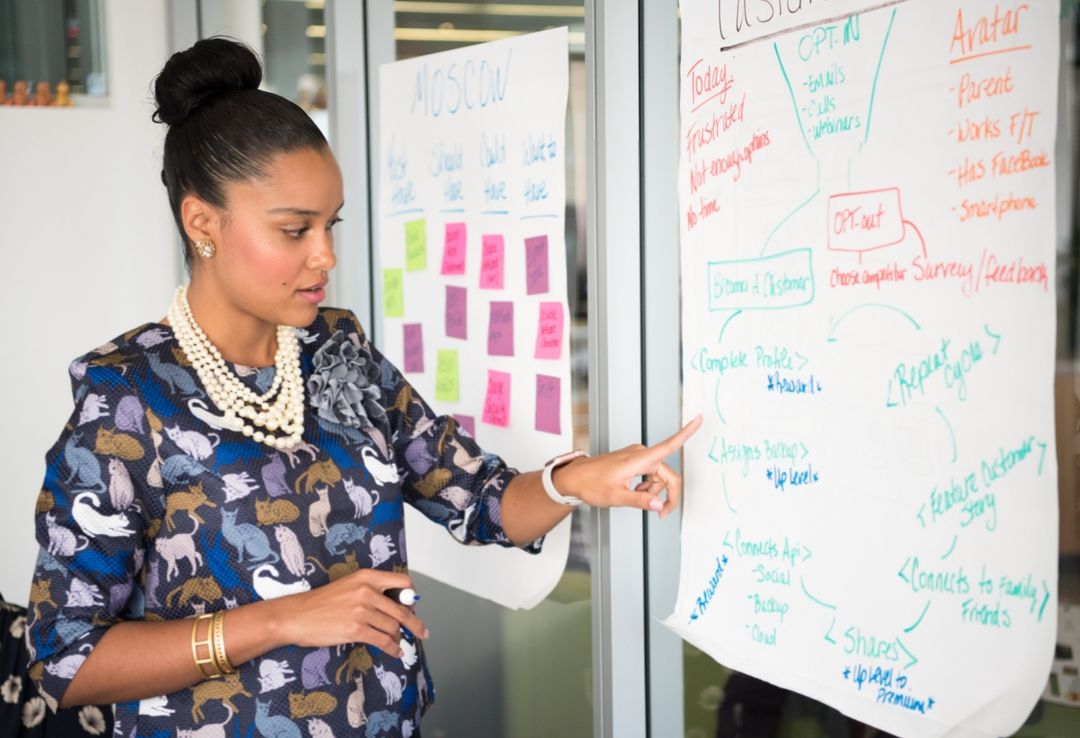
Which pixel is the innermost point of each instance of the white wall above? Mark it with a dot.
(89, 250)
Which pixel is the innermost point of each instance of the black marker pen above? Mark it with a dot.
(407, 596)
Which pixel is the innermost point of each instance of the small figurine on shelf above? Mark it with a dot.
(43, 97)
(3, 92)
(63, 100)
(21, 94)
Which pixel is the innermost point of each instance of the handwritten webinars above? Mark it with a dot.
(867, 217)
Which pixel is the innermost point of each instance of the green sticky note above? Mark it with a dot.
(446, 376)
(393, 292)
(415, 245)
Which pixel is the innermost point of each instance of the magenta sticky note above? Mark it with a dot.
(414, 347)
(549, 331)
(548, 404)
(501, 329)
(536, 265)
(457, 313)
(466, 423)
(497, 399)
(492, 262)
(453, 255)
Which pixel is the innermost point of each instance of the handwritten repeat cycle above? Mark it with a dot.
(998, 145)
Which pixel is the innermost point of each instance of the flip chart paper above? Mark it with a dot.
(867, 232)
(472, 154)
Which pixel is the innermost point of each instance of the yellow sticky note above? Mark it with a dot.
(446, 376)
(415, 245)
(393, 290)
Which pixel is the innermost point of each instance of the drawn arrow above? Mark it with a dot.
(805, 450)
(803, 359)
(995, 336)
(1042, 456)
(727, 544)
(951, 434)
(949, 552)
(716, 402)
(1046, 598)
(815, 599)
(919, 515)
(809, 553)
(909, 653)
(901, 572)
(727, 322)
(723, 479)
(828, 633)
(834, 324)
(915, 625)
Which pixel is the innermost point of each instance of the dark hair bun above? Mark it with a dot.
(191, 77)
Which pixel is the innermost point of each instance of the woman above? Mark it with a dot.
(222, 516)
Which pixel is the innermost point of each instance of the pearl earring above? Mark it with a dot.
(205, 248)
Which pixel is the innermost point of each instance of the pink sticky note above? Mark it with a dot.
(501, 329)
(492, 260)
(548, 404)
(453, 255)
(549, 332)
(497, 400)
(536, 265)
(457, 323)
(467, 423)
(414, 347)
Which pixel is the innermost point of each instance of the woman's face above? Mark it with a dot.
(275, 241)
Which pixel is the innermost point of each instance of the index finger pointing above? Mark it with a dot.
(674, 442)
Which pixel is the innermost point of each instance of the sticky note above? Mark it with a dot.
(497, 399)
(492, 263)
(457, 315)
(414, 347)
(549, 332)
(393, 291)
(466, 423)
(501, 329)
(536, 265)
(453, 255)
(446, 375)
(548, 404)
(415, 245)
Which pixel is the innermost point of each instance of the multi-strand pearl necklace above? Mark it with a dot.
(256, 416)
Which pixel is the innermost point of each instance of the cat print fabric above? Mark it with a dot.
(152, 508)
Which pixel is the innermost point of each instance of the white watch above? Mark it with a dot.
(549, 486)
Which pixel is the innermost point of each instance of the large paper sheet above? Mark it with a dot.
(473, 257)
(868, 296)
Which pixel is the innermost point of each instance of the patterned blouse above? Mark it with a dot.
(152, 509)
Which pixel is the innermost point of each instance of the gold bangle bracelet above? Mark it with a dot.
(218, 626)
(208, 644)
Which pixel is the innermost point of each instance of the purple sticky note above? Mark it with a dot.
(497, 399)
(501, 329)
(467, 423)
(414, 347)
(492, 261)
(453, 255)
(536, 265)
(457, 315)
(549, 332)
(548, 404)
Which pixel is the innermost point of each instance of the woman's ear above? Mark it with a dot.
(201, 220)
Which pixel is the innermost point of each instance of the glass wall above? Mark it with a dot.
(51, 46)
(531, 669)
